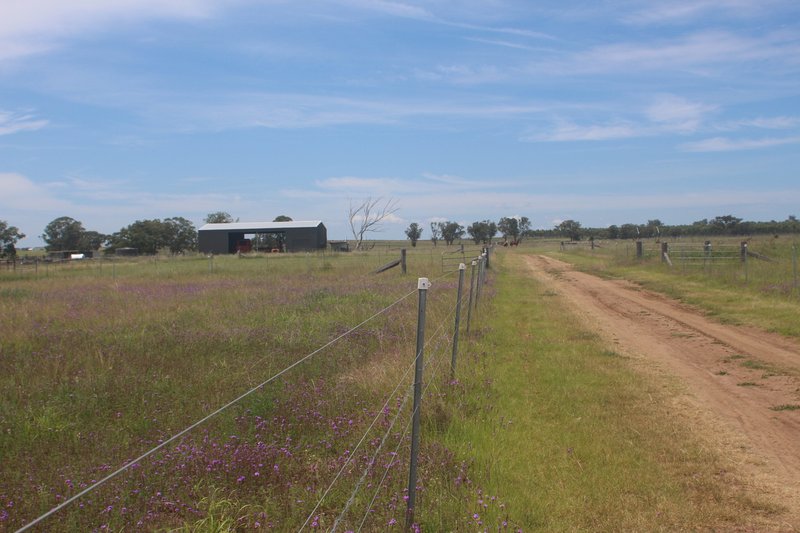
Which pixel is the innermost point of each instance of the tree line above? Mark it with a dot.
(513, 229)
(718, 226)
(66, 234)
(178, 234)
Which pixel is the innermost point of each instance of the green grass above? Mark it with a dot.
(545, 429)
(572, 438)
(99, 364)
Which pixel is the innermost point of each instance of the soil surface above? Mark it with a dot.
(737, 386)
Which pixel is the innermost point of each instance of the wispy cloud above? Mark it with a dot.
(395, 9)
(565, 131)
(723, 144)
(36, 26)
(704, 49)
(677, 114)
(292, 111)
(666, 114)
(15, 122)
(768, 123)
(464, 74)
(682, 11)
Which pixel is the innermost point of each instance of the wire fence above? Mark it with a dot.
(359, 465)
(770, 264)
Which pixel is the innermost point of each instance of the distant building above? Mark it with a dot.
(295, 236)
(339, 246)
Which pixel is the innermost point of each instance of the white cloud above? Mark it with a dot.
(35, 26)
(678, 114)
(464, 74)
(722, 144)
(18, 191)
(15, 122)
(568, 131)
(768, 123)
(694, 51)
(361, 186)
(396, 9)
(679, 11)
(274, 110)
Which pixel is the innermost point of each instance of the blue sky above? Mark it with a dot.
(606, 112)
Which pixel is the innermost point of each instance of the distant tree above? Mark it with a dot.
(653, 228)
(514, 228)
(725, 224)
(92, 240)
(482, 231)
(413, 232)
(451, 231)
(276, 240)
(147, 236)
(179, 234)
(628, 231)
(436, 232)
(613, 232)
(368, 216)
(9, 236)
(220, 217)
(63, 233)
(571, 229)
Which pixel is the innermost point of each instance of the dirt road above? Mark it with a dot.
(739, 387)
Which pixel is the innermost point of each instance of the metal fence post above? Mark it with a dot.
(422, 286)
(471, 291)
(403, 260)
(481, 276)
(461, 268)
(744, 256)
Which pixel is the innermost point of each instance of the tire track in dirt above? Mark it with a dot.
(734, 379)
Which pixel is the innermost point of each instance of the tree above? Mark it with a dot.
(219, 217)
(413, 232)
(628, 231)
(613, 232)
(725, 224)
(571, 229)
(514, 228)
(368, 216)
(9, 235)
(92, 240)
(436, 232)
(279, 240)
(62, 234)
(482, 231)
(451, 231)
(180, 235)
(147, 236)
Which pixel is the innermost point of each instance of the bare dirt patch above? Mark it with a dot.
(739, 387)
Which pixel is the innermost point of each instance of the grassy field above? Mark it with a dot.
(543, 429)
(99, 365)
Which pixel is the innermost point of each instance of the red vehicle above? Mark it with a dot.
(244, 246)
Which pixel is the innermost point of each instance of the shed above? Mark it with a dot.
(295, 236)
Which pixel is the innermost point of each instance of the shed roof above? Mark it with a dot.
(260, 226)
